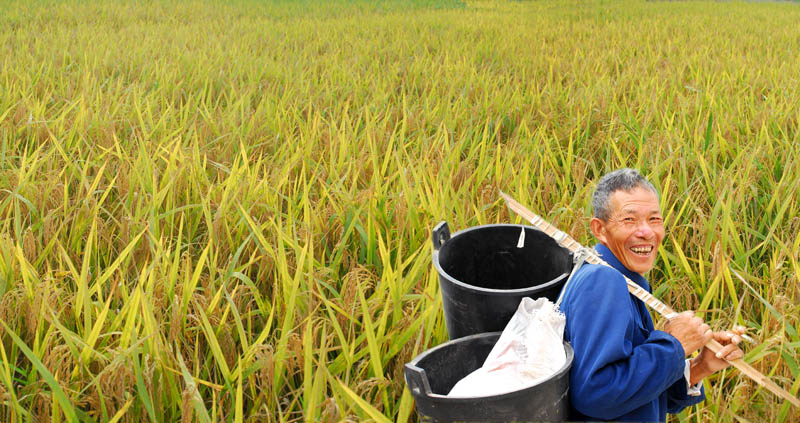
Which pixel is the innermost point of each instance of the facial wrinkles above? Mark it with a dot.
(642, 225)
(635, 229)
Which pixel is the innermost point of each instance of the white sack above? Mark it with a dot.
(529, 350)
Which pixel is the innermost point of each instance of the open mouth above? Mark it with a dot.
(642, 250)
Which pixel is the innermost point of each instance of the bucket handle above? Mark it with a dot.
(440, 235)
(417, 380)
(578, 259)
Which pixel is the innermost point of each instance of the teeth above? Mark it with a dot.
(641, 250)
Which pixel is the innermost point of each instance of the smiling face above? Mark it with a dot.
(634, 229)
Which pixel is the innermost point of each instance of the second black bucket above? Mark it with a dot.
(485, 271)
(432, 374)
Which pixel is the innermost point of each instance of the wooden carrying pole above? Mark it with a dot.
(573, 246)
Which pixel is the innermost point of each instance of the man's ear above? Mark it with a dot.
(598, 227)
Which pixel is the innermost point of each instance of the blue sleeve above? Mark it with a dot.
(610, 377)
(678, 397)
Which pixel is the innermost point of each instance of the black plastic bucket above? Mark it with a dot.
(432, 374)
(483, 275)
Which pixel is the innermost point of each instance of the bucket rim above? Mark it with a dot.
(570, 353)
(509, 292)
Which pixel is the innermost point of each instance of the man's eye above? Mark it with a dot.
(655, 219)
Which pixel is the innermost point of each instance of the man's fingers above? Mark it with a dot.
(741, 331)
(727, 336)
(734, 338)
(725, 351)
(730, 352)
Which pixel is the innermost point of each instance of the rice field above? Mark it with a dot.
(220, 211)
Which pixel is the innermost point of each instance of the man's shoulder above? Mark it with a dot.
(592, 286)
(600, 271)
(597, 277)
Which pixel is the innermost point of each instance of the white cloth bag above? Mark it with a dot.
(529, 351)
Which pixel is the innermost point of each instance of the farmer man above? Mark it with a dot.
(624, 369)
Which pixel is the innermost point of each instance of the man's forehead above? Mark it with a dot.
(633, 210)
(638, 200)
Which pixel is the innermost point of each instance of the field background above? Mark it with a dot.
(221, 212)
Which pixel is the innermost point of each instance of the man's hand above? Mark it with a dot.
(690, 331)
(707, 362)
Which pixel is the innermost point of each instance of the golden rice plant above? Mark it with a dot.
(220, 211)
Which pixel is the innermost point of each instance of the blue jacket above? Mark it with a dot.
(624, 369)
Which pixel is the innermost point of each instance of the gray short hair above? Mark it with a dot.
(619, 180)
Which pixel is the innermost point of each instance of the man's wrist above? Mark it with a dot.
(697, 370)
(691, 390)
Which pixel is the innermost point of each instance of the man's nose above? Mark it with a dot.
(643, 230)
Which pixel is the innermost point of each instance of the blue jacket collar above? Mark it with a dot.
(606, 254)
